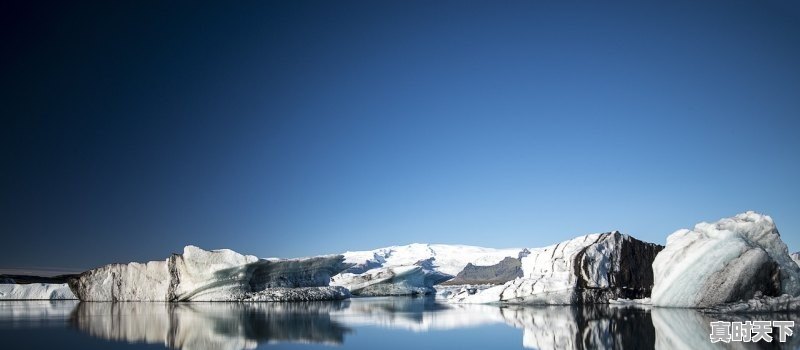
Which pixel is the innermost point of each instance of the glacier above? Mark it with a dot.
(445, 258)
(726, 261)
(593, 268)
(36, 291)
(413, 269)
(386, 281)
(217, 275)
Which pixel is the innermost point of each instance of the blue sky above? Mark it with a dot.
(300, 128)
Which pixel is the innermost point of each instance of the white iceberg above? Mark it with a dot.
(199, 275)
(35, 291)
(729, 260)
(588, 269)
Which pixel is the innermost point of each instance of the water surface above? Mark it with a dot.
(363, 323)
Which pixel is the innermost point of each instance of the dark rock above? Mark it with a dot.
(502, 272)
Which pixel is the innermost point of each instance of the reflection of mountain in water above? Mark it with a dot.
(415, 314)
(245, 325)
(211, 325)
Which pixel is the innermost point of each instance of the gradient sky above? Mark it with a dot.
(298, 128)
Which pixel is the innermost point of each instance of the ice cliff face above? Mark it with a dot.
(199, 275)
(729, 260)
(35, 291)
(588, 269)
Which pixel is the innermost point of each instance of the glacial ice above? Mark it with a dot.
(796, 257)
(217, 275)
(623, 302)
(413, 269)
(35, 291)
(588, 269)
(759, 304)
(729, 260)
(384, 281)
(299, 294)
(445, 258)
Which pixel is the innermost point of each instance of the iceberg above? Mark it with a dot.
(732, 259)
(588, 269)
(299, 294)
(35, 291)
(796, 258)
(217, 275)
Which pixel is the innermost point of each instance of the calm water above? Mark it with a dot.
(365, 323)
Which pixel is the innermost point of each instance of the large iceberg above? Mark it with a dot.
(35, 291)
(732, 259)
(588, 269)
(415, 268)
(217, 275)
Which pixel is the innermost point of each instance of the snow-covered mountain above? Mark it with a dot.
(413, 268)
(445, 258)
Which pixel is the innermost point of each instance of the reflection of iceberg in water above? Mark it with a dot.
(36, 313)
(205, 325)
(211, 325)
(582, 327)
(690, 329)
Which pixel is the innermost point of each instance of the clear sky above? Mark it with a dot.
(298, 128)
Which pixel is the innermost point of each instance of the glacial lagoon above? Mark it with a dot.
(362, 323)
